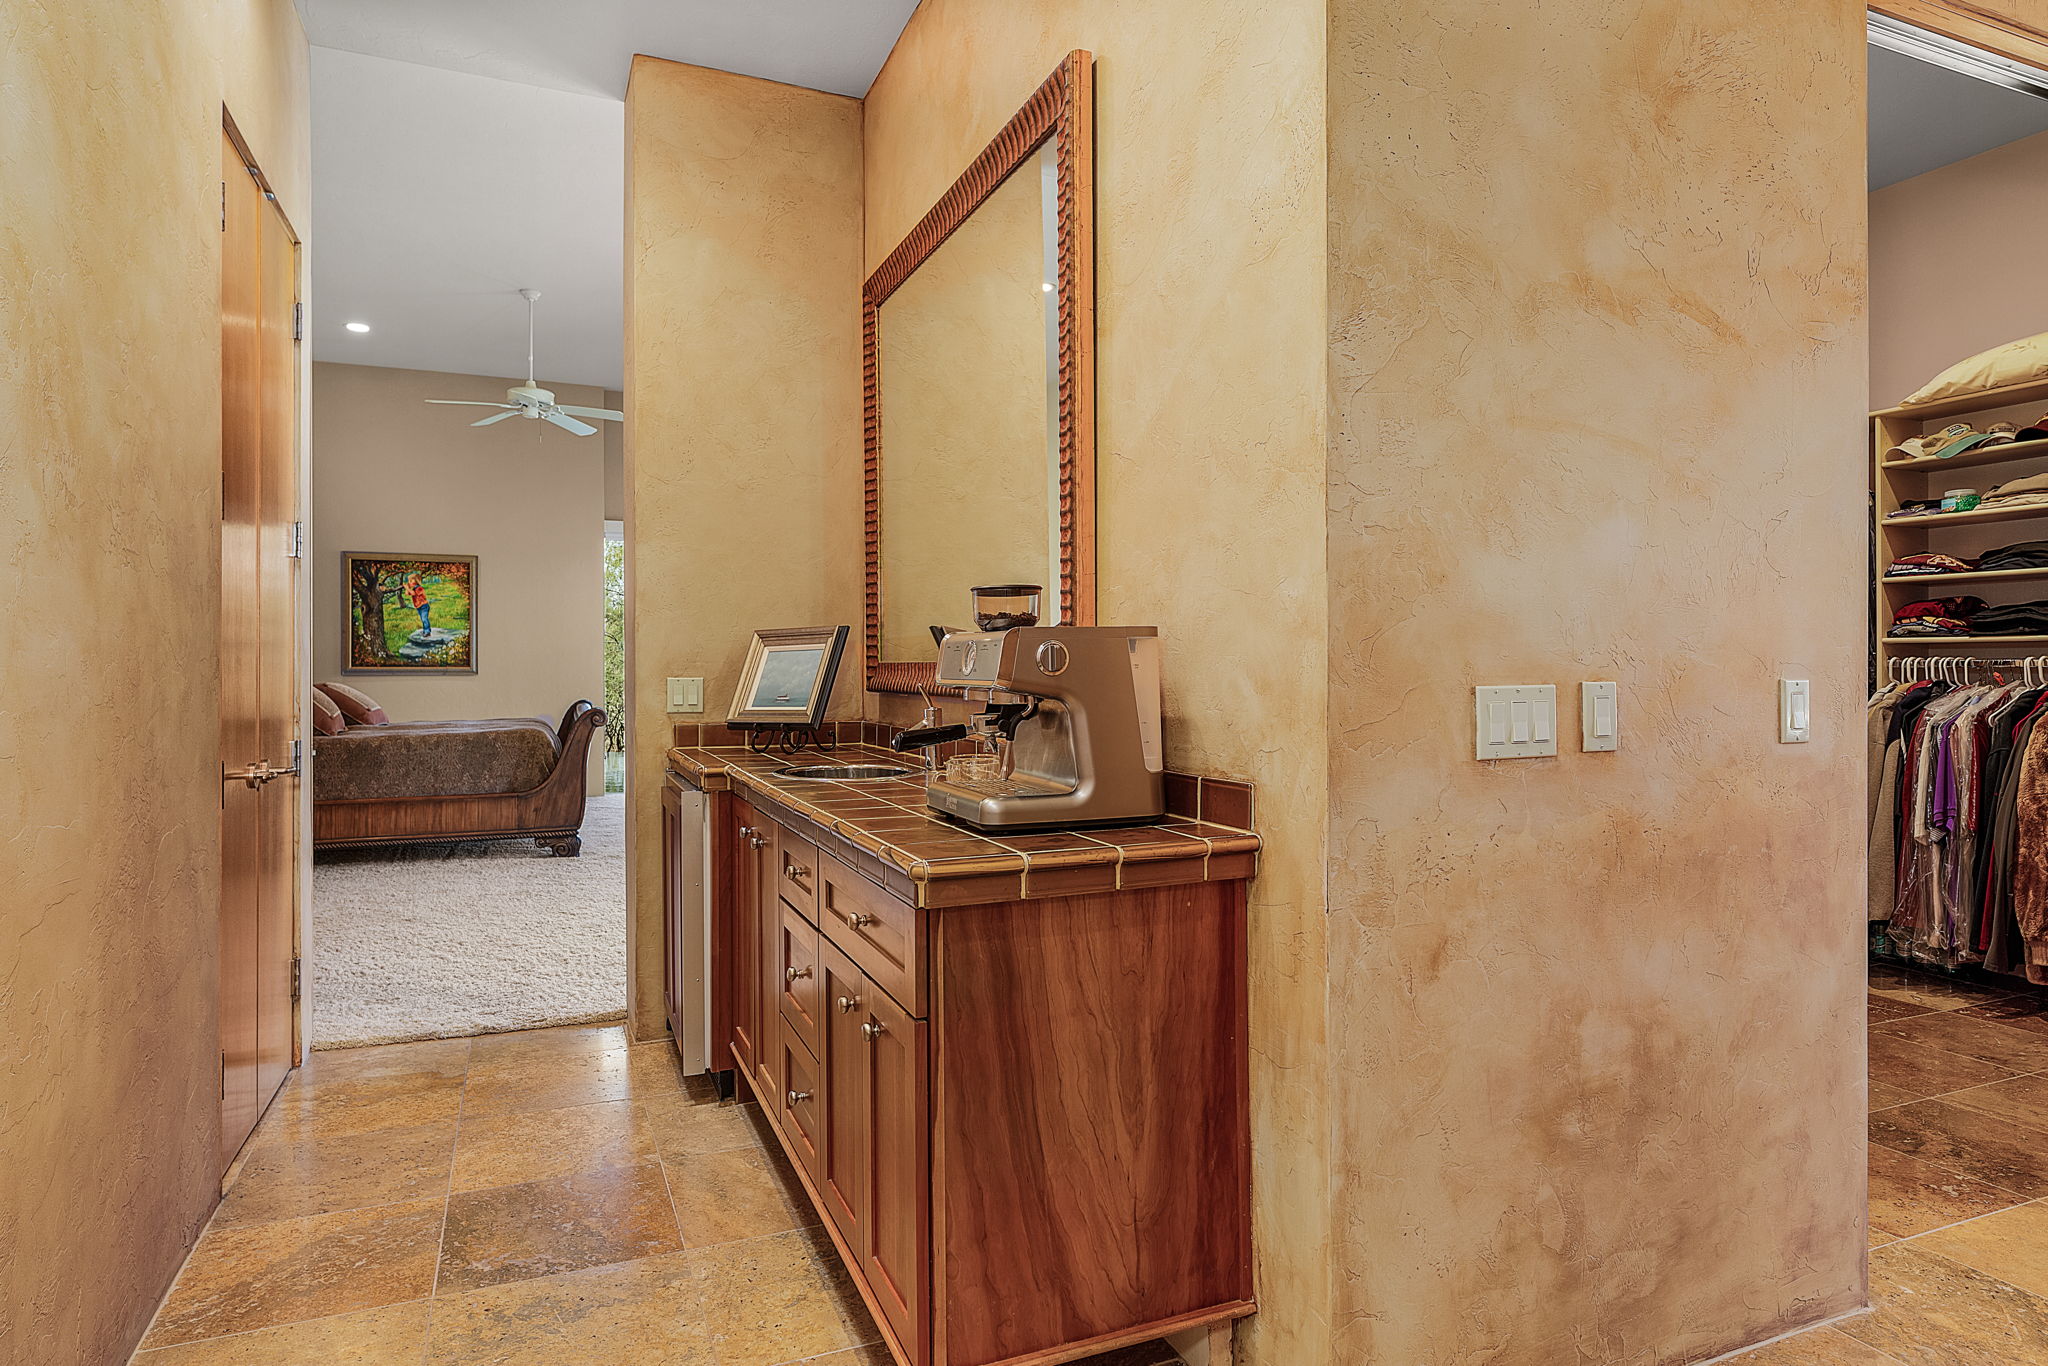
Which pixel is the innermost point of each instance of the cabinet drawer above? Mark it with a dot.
(799, 985)
(796, 1101)
(796, 871)
(884, 936)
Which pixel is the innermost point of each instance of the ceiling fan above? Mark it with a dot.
(529, 400)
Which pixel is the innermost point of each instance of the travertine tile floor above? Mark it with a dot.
(1958, 1182)
(550, 1198)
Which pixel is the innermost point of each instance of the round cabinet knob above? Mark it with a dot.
(847, 1003)
(746, 832)
(871, 1031)
(794, 974)
(757, 842)
(860, 920)
(797, 1098)
(1052, 658)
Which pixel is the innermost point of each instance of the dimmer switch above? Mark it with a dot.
(1517, 722)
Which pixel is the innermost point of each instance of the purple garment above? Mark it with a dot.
(1941, 801)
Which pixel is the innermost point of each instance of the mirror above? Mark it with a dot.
(970, 395)
(979, 413)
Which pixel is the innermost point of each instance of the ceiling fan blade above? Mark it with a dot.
(570, 424)
(494, 417)
(603, 414)
(471, 403)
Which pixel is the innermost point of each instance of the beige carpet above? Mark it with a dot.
(439, 941)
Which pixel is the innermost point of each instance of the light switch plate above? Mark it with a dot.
(1599, 717)
(686, 694)
(1795, 711)
(1517, 722)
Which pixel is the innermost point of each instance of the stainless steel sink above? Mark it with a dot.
(846, 773)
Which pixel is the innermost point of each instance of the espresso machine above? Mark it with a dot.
(1068, 720)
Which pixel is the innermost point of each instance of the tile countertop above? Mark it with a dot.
(934, 862)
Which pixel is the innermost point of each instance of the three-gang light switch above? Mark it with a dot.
(1517, 722)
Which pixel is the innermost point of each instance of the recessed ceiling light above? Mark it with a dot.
(357, 327)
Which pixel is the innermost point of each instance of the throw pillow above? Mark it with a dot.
(359, 709)
(2016, 362)
(327, 718)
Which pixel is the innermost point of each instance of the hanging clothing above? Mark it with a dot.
(1958, 818)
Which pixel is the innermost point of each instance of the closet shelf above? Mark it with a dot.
(2017, 514)
(1983, 455)
(1951, 642)
(1984, 401)
(1974, 576)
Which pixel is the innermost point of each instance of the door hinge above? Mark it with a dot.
(298, 754)
(295, 979)
(223, 214)
(223, 1075)
(298, 322)
(295, 541)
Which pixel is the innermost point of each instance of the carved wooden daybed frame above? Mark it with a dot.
(551, 813)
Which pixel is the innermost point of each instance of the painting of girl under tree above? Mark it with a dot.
(410, 613)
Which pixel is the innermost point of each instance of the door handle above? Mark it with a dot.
(258, 774)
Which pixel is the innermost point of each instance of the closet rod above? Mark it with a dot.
(1956, 668)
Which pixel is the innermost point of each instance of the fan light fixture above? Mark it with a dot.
(529, 400)
(357, 327)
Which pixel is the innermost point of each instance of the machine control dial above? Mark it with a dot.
(1052, 658)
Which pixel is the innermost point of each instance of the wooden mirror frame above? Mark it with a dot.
(1062, 109)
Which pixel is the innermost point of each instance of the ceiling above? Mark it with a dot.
(586, 47)
(466, 149)
(1923, 116)
(437, 196)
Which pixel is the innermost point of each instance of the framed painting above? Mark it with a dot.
(413, 614)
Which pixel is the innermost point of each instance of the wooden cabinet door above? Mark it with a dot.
(751, 1050)
(843, 1062)
(800, 1105)
(672, 905)
(800, 984)
(896, 1251)
(767, 959)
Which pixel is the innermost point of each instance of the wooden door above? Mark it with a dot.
(843, 1068)
(258, 649)
(896, 1251)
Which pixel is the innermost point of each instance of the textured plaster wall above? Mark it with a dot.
(392, 472)
(743, 478)
(1597, 365)
(1952, 265)
(1211, 325)
(109, 593)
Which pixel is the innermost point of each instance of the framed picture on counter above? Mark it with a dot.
(411, 614)
(788, 676)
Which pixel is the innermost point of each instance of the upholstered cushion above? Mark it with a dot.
(435, 759)
(327, 718)
(358, 708)
(2016, 362)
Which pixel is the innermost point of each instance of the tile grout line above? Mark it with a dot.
(447, 1201)
(141, 1353)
